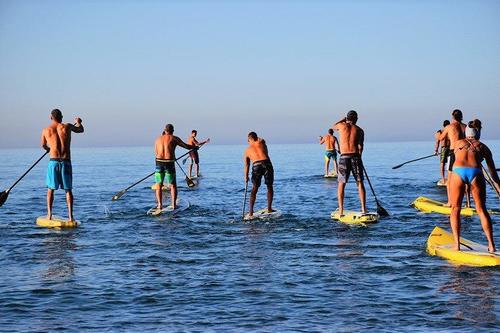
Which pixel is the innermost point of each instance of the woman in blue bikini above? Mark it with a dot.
(469, 153)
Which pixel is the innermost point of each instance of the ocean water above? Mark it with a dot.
(205, 270)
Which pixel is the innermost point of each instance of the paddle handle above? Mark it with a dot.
(24, 174)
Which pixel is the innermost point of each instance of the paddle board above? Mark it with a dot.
(355, 217)
(168, 210)
(263, 214)
(427, 205)
(441, 242)
(56, 222)
(440, 183)
(332, 174)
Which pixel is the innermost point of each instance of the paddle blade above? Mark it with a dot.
(118, 195)
(3, 197)
(190, 182)
(397, 166)
(381, 211)
(184, 160)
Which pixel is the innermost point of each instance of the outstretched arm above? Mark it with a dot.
(321, 140)
(77, 127)
(438, 142)
(339, 124)
(183, 144)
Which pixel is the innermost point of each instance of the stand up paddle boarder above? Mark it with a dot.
(351, 139)
(165, 163)
(331, 143)
(454, 132)
(469, 154)
(194, 156)
(261, 167)
(445, 151)
(56, 139)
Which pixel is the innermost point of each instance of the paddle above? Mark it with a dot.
(122, 192)
(490, 181)
(244, 200)
(5, 194)
(417, 159)
(201, 145)
(380, 210)
(189, 181)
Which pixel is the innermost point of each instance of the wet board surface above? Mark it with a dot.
(182, 205)
(427, 205)
(332, 174)
(440, 243)
(355, 217)
(263, 214)
(56, 222)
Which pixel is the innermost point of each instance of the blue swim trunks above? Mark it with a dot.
(330, 154)
(59, 174)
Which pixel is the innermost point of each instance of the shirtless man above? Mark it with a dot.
(467, 170)
(56, 139)
(165, 163)
(454, 132)
(195, 158)
(261, 166)
(351, 146)
(445, 150)
(330, 142)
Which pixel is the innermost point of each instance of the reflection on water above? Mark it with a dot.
(473, 294)
(57, 249)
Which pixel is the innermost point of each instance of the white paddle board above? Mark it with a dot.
(263, 214)
(169, 210)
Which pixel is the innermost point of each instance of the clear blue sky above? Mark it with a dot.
(286, 69)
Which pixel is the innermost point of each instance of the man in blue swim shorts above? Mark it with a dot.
(56, 139)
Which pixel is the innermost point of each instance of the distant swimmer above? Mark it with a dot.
(56, 139)
(261, 167)
(331, 147)
(469, 153)
(195, 158)
(453, 132)
(165, 163)
(351, 139)
(445, 150)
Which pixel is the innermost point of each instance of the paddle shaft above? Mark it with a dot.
(24, 174)
(490, 181)
(188, 180)
(417, 159)
(371, 187)
(244, 200)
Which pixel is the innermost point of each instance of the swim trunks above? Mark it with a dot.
(467, 173)
(165, 170)
(194, 156)
(59, 174)
(330, 154)
(262, 168)
(445, 152)
(350, 163)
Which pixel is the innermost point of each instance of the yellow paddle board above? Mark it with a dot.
(56, 222)
(427, 205)
(354, 217)
(440, 243)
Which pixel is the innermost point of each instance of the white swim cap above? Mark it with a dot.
(470, 132)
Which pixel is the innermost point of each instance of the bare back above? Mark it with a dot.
(469, 153)
(257, 151)
(165, 146)
(58, 137)
(351, 138)
(453, 132)
(329, 142)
